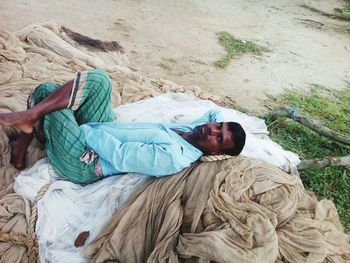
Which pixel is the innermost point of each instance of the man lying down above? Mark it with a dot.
(85, 144)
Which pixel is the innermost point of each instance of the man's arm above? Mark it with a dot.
(149, 159)
(213, 115)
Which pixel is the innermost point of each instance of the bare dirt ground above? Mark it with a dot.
(177, 40)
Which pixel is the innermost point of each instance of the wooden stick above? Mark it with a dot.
(311, 124)
(320, 163)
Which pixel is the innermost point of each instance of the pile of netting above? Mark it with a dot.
(235, 210)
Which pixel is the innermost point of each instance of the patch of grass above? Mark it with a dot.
(343, 29)
(339, 13)
(239, 108)
(332, 109)
(167, 63)
(228, 102)
(170, 60)
(165, 66)
(198, 61)
(236, 47)
(347, 6)
(345, 11)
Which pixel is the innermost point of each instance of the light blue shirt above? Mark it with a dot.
(148, 148)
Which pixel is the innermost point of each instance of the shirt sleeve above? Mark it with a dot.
(149, 159)
(209, 116)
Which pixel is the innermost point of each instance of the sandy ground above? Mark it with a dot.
(176, 40)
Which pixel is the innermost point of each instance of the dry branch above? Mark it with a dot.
(311, 124)
(320, 163)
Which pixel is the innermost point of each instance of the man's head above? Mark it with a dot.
(219, 138)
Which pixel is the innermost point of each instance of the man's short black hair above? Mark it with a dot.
(238, 138)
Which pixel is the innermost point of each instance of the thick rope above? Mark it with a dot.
(16, 238)
(34, 214)
(29, 241)
(33, 253)
(22, 240)
(214, 158)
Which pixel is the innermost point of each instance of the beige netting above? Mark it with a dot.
(16, 242)
(237, 210)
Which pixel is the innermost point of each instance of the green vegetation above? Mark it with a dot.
(332, 109)
(167, 63)
(345, 11)
(339, 13)
(236, 47)
(347, 6)
(228, 102)
(344, 29)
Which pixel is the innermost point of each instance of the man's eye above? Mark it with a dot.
(220, 124)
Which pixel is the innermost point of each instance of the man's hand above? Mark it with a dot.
(98, 170)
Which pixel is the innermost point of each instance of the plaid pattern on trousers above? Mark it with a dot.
(90, 101)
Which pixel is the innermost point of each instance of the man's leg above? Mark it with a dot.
(72, 94)
(93, 100)
(65, 142)
(25, 120)
(20, 145)
(19, 149)
(89, 96)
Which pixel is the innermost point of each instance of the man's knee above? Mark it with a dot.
(103, 78)
(43, 90)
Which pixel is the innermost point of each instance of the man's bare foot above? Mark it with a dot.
(23, 120)
(19, 150)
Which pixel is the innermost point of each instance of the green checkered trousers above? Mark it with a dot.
(90, 101)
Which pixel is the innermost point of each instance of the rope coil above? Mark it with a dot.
(34, 214)
(33, 251)
(214, 158)
(22, 240)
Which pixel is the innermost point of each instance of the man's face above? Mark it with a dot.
(213, 137)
